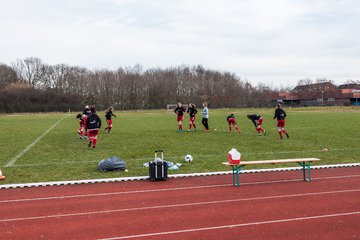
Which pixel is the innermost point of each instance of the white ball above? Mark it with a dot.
(188, 158)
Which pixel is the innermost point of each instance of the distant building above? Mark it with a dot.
(320, 94)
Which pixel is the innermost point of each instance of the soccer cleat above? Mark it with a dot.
(89, 143)
(287, 135)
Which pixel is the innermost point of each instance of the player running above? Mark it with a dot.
(81, 125)
(192, 111)
(108, 114)
(93, 124)
(257, 120)
(280, 115)
(179, 110)
(232, 121)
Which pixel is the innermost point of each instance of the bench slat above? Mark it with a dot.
(243, 163)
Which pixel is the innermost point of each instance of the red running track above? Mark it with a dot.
(273, 205)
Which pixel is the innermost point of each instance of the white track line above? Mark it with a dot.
(161, 190)
(113, 193)
(179, 205)
(13, 160)
(234, 226)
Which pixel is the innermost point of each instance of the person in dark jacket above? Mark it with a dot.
(93, 124)
(232, 121)
(192, 112)
(108, 115)
(179, 110)
(280, 115)
(257, 120)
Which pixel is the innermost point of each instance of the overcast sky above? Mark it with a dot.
(275, 42)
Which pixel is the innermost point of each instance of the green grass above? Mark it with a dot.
(60, 155)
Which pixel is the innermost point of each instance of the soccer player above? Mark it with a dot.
(205, 118)
(2, 177)
(179, 110)
(108, 114)
(192, 111)
(257, 120)
(81, 125)
(280, 115)
(93, 124)
(232, 121)
(86, 110)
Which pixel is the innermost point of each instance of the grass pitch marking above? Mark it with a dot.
(13, 160)
(236, 225)
(176, 157)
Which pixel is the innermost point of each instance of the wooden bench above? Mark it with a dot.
(304, 162)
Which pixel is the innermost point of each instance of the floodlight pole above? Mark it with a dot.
(322, 98)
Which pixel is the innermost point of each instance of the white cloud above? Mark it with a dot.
(278, 42)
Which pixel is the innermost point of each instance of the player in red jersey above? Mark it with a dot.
(93, 124)
(179, 110)
(192, 111)
(81, 125)
(2, 177)
(280, 115)
(232, 121)
(108, 114)
(257, 120)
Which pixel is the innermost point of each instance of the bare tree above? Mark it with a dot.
(29, 70)
(7, 76)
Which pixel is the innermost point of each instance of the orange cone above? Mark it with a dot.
(2, 177)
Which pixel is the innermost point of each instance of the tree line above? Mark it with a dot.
(30, 85)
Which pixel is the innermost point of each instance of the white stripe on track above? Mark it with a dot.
(160, 190)
(178, 205)
(13, 160)
(235, 225)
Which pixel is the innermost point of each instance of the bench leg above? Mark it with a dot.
(235, 175)
(306, 166)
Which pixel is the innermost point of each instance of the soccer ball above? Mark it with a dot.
(188, 158)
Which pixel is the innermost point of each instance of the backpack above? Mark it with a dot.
(111, 164)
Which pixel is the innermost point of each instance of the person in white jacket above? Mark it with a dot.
(205, 117)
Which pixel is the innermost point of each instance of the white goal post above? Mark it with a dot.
(170, 108)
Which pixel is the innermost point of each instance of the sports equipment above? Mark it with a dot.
(188, 158)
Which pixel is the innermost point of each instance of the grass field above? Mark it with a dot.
(46, 147)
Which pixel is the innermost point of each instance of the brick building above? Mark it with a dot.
(321, 94)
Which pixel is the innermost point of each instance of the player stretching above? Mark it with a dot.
(192, 111)
(108, 114)
(257, 120)
(280, 115)
(179, 110)
(231, 120)
(93, 124)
